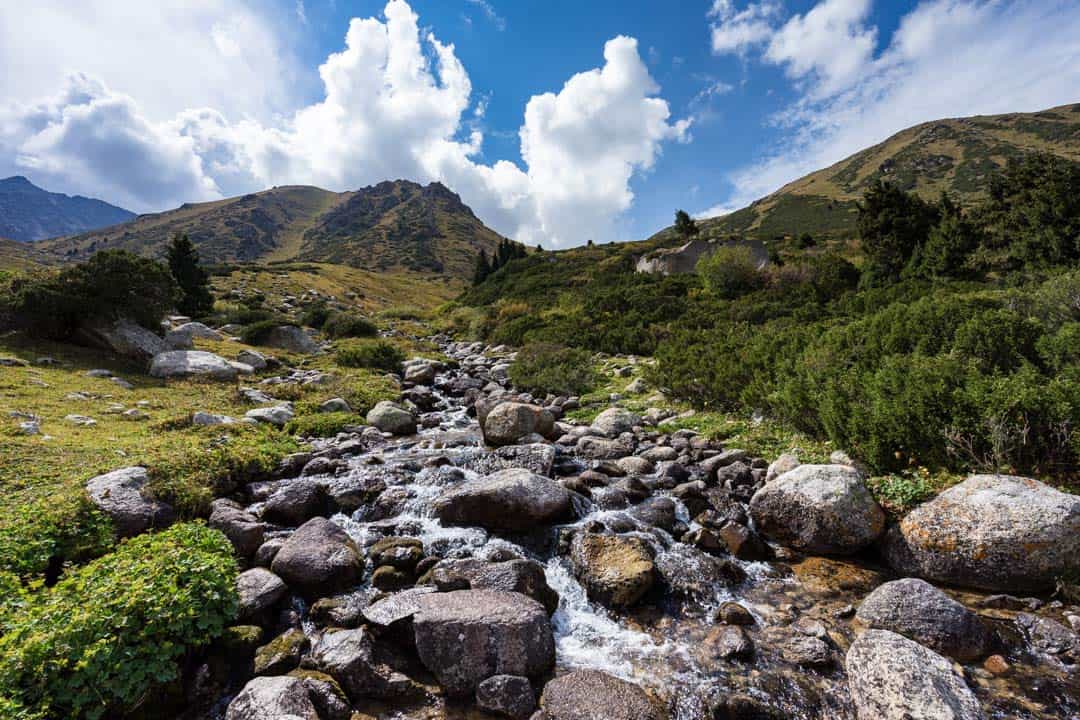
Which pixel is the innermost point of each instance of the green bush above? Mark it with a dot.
(258, 333)
(375, 354)
(315, 316)
(544, 368)
(98, 643)
(730, 271)
(64, 527)
(349, 325)
(249, 316)
(321, 424)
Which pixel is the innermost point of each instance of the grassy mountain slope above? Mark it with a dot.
(390, 226)
(953, 155)
(16, 255)
(29, 213)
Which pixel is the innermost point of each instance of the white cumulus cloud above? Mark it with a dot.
(396, 104)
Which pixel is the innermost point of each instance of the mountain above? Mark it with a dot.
(29, 213)
(397, 225)
(953, 155)
(15, 255)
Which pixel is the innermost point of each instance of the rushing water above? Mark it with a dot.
(659, 644)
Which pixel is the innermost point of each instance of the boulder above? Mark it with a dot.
(591, 694)
(122, 337)
(992, 532)
(508, 423)
(273, 698)
(296, 502)
(598, 448)
(121, 494)
(181, 337)
(419, 372)
(335, 405)
(256, 360)
(523, 576)
(242, 528)
(694, 573)
(513, 500)
(725, 643)
(352, 658)
(509, 696)
(613, 422)
(779, 466)
(917, 610)
(281, 654)
(290, 338)
(258, 590)
(466, 636)
(205, 419)
(390, 418)
(822, 509)
(893, 678)
(319, 559)
(278, 416)
(192, 363)
(616, 571)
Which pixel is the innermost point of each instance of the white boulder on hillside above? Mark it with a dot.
(993, 532)
(192, 363)
(122, 337)
(818, 509)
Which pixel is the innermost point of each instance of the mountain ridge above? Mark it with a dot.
(29, 213)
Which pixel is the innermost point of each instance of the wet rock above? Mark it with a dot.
(992, 532)
(1049, 637)
(122, 495)
(345, 610)
(919, 611)
(466, 636)
(829, 576)
(296, 502)
(523, 576)
(402, 553)
(616, 571)
(658, 512)
(722, 460)
(726, 643)
(420, 372)
(514, 501)
(537, 458)
(696, 574)
(242, 528)
(399, 606)
(352, 658)
(893, 678)
(615, 421)
(281, 654)
(589, 694)
(660, 453)
(273, 698)
(510, 696)
(326, 694)
(390, 578)
(258, 590)
(509, 422)
(820, 509)
(319, 559)
(634, 465)
(192, 363)
(806, 651)
(390, 418)
(732, 613)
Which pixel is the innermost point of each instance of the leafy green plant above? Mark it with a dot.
(900, 492)
(64, 527)
(257, 333)
(544, 368)
(376, 354)
(99, 641)
(730, 271)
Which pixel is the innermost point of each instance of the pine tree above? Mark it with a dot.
(685, 227)
(194, 282)
(483, 268)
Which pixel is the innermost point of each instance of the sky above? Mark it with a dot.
(557, 121)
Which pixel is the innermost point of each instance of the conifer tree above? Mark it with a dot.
(193, 280)
(483, 268)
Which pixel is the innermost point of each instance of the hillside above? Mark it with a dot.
(952, 155)
(15, 255)
(29, 213)
(392, 225)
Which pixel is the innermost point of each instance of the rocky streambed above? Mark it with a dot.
(470, 555)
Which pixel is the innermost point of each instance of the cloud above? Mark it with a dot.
(947, 58)
(489, 11)
(397, 103)
(301, 12)
(736, 31)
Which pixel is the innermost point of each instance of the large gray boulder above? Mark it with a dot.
(893, 678)
(992, 532)
(273, 698)
(822, 509)
(523, 576)
(122, 495)
(512, 500)
(613, 422)
(290, 338)
(595, 695)
(258, 590)
(917, 610)
(352, 658)
(192, 363)
(122, 337)
(615, 570)
(319, 559)
(508, 422)
(242, 528)
(182, 336)
(598, 448)
(390, 418)
(466, 636)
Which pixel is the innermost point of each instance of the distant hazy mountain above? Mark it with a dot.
(29, 213)
(398, 225)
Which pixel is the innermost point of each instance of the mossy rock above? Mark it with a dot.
(281, 654)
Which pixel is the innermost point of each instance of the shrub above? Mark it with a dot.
(404, 312)
(377, 354)
(40, 535)
(321, 424)
(349, 325)
(315, 316)
(258, 333)
(249, 316)
(730, 271)
(97, 643)
(544, 368)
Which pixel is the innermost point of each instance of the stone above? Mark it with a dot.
(806, 651)
(694, 573)
(998, 533)
(326, 694)
(253, 358)
(258, 590)
(508, 423)
(389, 578)
(390, 418)
(281, 654)
(523, 576)
(192, 363)
(917, 610)
(273, 698)
(613, 422)
(658, 512)
(278, 416)
(513, 501)
(121, 494)
(726, 643)
(319, 559)
(781, 465)
(595, 695)
(1049, 637)
(292, 339)
(634, 465)
(822, 509)
(81, 420)
(466, 636)
(181, 336)
(743, 543)
(205, 419)
(420, 372)
(122, 337)
(295, 502)
(399, 606)
(893, 678)
(335, 405)
(616, 571)
(732, 613)
(242, 528)
(402, 553)
(510, 696)
(598, 448)
(352, 658)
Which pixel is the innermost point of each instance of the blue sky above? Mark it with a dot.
(557, 121)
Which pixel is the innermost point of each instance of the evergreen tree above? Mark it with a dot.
(483, 268)
(192, 279)
(892, 225)
(685, 227)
